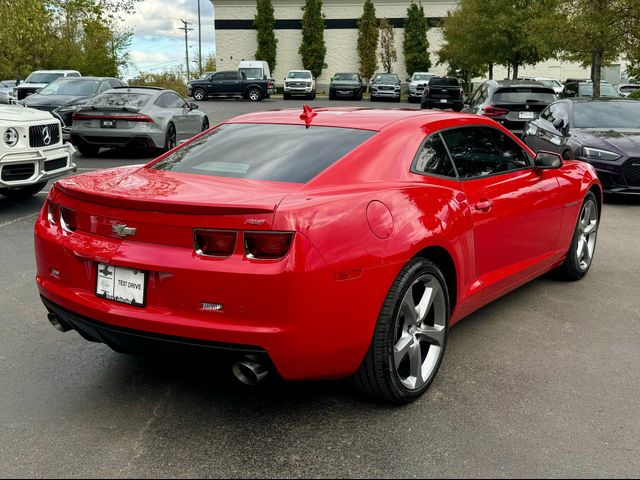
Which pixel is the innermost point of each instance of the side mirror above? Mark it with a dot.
(193, 106)
(547, 160)
(559, 123)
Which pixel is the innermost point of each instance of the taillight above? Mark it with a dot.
(215, 243)
(491, 111)
(267, 245)
(68, 219)
(63, 216)
(270, 86)
(126, 118)
(53, 212)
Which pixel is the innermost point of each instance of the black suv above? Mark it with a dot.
(443, 92)
(346, 85)
(512, 103)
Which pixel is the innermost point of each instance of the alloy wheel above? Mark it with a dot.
(198, 95)
(420, 332)
(587, 234)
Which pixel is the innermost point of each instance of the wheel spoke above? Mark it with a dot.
(585, 254)
(415, 364)
(401, 349)
(432, 289)
(590, 228)
(434, 335)
(409, 308)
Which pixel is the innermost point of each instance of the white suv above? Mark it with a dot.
(31, 151)
(299, 82)
(39, 79)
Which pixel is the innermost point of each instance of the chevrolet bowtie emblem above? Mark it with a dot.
(123, 230)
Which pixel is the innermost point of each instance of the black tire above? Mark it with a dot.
(358, 96)
(372, 98)
(332, 95)
(312, 96)
(377, 374)
(21, 193)
(424, 106)
(199, 94)
(457, 108)
(254, 94)
(170, 139)
(205, 124)
(286, 96)
(398, 100)
(571, 269)
(413, 100)
(87, 149)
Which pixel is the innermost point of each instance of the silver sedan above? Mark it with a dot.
(136, 117)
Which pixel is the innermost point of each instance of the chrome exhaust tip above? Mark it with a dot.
(57, 323)
(250, 371)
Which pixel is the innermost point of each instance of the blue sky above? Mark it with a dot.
(158, 44)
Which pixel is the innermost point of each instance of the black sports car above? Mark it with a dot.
(602, 132)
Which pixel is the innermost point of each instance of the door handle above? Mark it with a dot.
(483, 205)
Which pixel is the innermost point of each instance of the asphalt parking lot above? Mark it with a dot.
(544, 382)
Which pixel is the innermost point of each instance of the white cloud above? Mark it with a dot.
(161, 18)
(140, 56)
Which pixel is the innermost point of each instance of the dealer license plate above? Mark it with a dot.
(124, 285)
(526, 115)
(107, 123)
(443, 100)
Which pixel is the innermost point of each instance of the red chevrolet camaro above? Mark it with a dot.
(334, 243)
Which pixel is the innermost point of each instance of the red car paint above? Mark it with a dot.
(357, 224)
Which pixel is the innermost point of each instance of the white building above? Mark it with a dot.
(236, 37)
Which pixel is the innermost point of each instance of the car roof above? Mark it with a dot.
(518, 83)
(600, 99)
(349, 117)
(145, 90)
(75, 79)
(55, 71)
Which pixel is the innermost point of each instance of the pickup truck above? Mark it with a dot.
(231, 83)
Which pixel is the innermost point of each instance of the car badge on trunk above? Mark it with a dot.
(123, 230)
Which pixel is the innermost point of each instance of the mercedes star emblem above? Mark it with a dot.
(46, 136)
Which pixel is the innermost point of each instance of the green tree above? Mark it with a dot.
(503, 32)
(313, 48)
(265, 23)
(415, 43)
(595, 32)
(388, 52)
(368, 36)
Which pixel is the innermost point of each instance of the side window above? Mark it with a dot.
(433, 158)
(104, 87)
(174, 101)
(162, 101)
(482, 151)
(73, 75)
(116, 83)
(216, 77)
(473, 101)
(228, 76)
(549, 113)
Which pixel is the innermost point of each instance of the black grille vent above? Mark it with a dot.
(38, 135)
(15, 173)
(631, 170)
(57, 164)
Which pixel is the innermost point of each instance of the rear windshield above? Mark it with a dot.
(629, 88)
(606, 90)
(120, 100)
(524, 95)
(421, 76)
(612, 114)
(43, 77)
(444, 82)
(347, 77)
(279, 153)
(76, 87)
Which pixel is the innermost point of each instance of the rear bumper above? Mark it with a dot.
(129, 140)
(311, 324)
(438, 103)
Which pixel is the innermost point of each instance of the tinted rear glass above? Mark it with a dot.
(586, 90)
(120, 99)
(444, 82)
(607, 115)
(280, 153)
(523, 94)
(629, 88)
